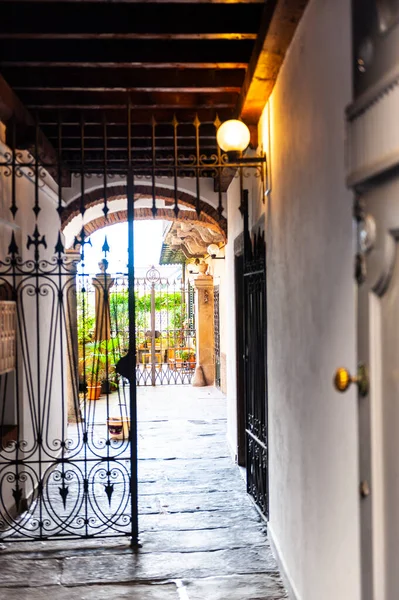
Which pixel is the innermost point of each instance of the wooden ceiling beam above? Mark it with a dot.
(178, 64)
(148, 90)
(116, 20)
(113, 98)
(149, 108)
(95, 51)
(134, 79)
(279, 23)
(139, 117)
(229, 2)
(127, 36)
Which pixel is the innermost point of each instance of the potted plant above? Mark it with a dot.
(188, 357)
(185, 358)
(99, 365)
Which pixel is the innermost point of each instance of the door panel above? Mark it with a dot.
(255, 372)
(378, 348)
(377, 446)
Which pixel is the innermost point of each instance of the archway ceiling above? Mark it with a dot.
(182, 57)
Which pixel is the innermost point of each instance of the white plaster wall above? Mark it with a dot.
(311, 313)
(235, 227)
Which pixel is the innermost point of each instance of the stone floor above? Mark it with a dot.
(201, 538)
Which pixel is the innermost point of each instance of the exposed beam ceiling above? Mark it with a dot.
(164, 59)
(186, 58)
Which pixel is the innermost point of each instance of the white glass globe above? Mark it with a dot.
(213, 250)
(233, 135)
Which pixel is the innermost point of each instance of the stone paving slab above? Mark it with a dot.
(181, 503)
(206, 540)
(95, 592)
(236, 587)
(203, 540)
(16, 572)
(60, 549)
(177, 451)
(195, 430)
(195, 483)
(198, 520)
(176, 465)
(163, 566)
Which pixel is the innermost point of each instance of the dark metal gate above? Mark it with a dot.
(255, 366)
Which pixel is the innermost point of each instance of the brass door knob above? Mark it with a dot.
(343, 379)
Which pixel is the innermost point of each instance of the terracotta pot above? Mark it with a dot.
(118, 428)
(93, 392)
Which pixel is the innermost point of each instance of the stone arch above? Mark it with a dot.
(209, 216)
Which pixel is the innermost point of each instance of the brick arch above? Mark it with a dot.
(209, 216)
(141, 214)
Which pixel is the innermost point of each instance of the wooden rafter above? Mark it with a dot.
(277, 31)
(214, 2)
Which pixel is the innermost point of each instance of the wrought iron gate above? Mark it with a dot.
(255, 367)
(68, 461)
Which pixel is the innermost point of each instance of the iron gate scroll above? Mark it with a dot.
(255, 371)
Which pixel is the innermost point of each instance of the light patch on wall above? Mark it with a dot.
(264, 135)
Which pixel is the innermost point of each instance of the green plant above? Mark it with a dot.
(86, 318)
(98, 361)
(186, 355)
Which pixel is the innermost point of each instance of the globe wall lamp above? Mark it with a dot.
(214, 252)
(233, 138)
